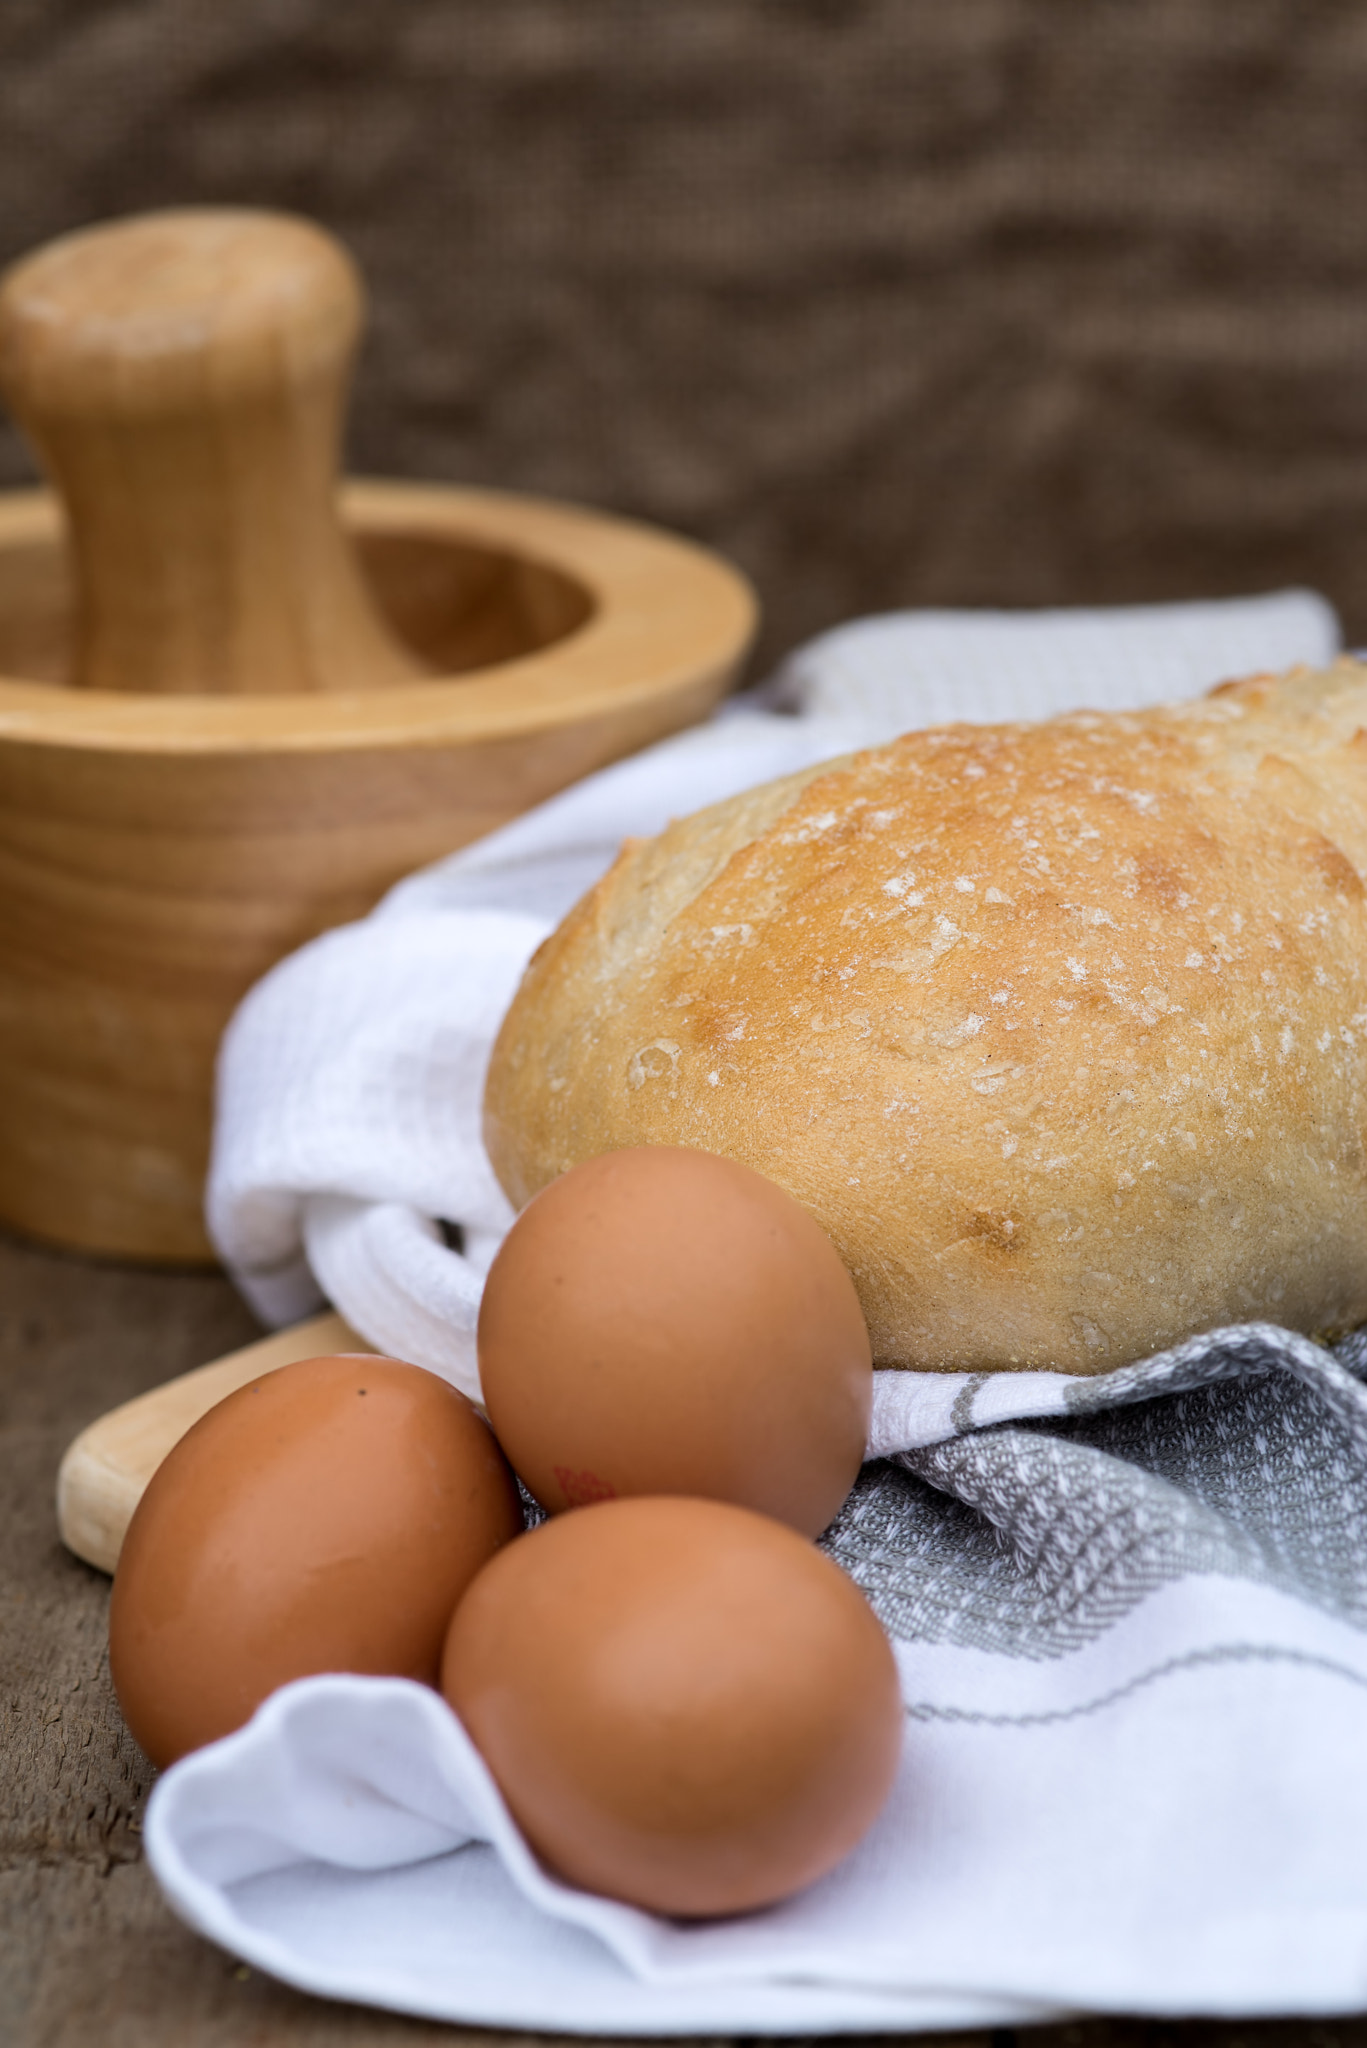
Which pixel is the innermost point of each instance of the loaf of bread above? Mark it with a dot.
(1058, 1030)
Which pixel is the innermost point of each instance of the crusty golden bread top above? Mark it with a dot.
(1059, 1030)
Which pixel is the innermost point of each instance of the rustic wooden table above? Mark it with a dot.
(88, 1952)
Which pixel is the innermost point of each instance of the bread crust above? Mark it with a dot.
(1059, 1031)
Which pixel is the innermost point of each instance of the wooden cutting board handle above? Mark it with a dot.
(183, 377)
(106, 1468)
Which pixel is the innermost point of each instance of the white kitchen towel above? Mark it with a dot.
(928, 668)
(1129, 1612)
(1131, 1625)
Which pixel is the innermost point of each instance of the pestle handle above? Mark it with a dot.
(183, 377)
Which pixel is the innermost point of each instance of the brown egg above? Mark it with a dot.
(326, 1517)
(684, 1704)
(664, 1321)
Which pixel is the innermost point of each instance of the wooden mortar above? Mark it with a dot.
(230, 718)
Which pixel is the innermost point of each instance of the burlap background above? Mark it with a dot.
(897, 301)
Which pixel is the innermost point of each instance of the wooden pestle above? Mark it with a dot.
(183, 377)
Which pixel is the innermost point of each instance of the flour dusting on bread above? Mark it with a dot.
(1059, 1030)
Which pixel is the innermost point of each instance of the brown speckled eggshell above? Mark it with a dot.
(684, 1704)
(326, 1517)
(662, 1321)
